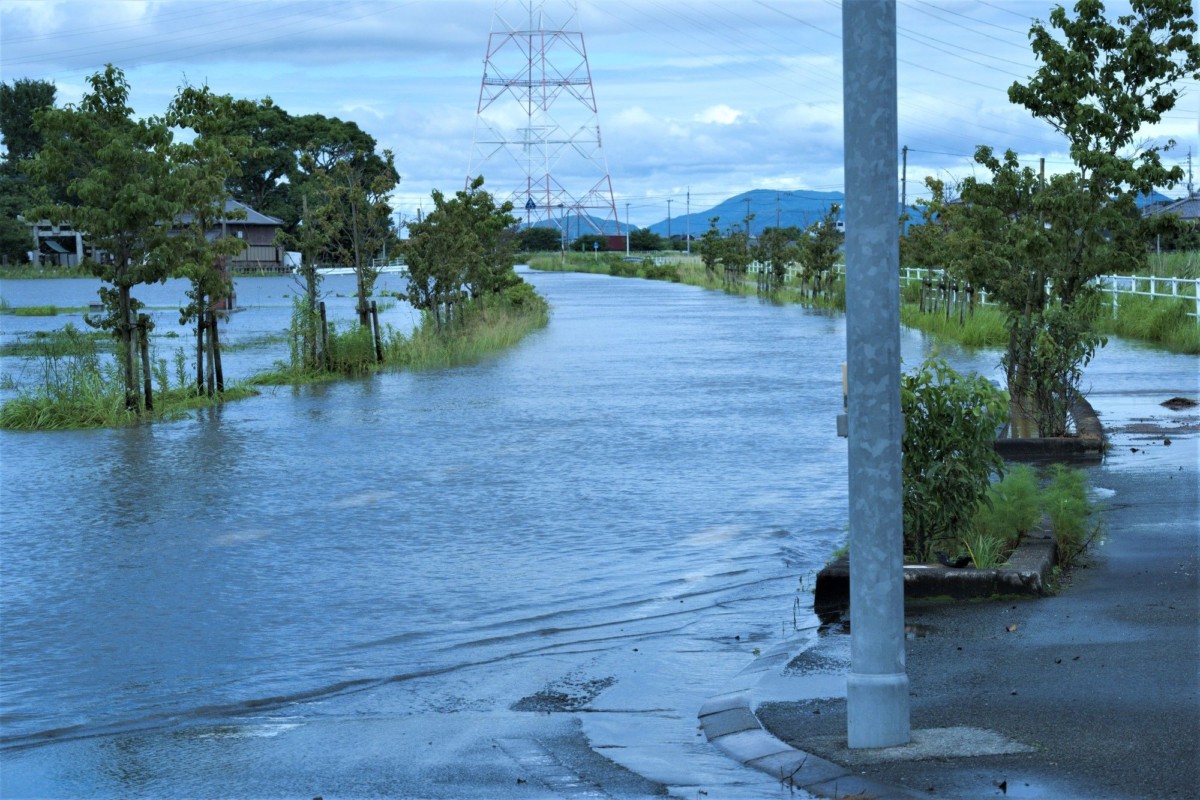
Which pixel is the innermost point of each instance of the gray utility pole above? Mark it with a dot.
(904, 189)
(687, 220)
(668, 222)
(627, 230)
(877, 706)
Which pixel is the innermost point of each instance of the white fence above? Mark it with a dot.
(1154, 287)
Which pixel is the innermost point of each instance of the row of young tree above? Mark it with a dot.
(1035, 243)
(811, 251)
(151, 193)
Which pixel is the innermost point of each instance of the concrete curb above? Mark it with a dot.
(1026, 572)
(1088, 442)
(729, 722)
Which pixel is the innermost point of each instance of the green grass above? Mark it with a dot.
(1160, 321)
(1066, 503)
(29, 271)
(983, 328)
(1018, 504)
(40, 311)
(492, 329)
(76, 388)
(1175, 263)
(483, 330)
(39, 343)
(254, 343)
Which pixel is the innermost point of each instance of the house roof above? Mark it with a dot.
(1187, 208)
(252, 217)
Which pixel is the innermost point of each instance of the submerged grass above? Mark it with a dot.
(1161, 321)
(77, 388)
(484, 329)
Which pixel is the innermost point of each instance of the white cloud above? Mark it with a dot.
(720, 114)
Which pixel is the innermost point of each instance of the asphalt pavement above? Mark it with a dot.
(1092, 692)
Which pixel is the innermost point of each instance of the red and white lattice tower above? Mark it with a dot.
(537, 129)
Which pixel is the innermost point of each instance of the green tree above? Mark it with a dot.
(711, 249)
(539, 239)
(200, 169)
(360, 186)
(115, 173)
(262, 180)
(777, 248)
(462, 248)
(1035, 244)
(950, 424)
(644, 239)
(819, 249)
(18, 103)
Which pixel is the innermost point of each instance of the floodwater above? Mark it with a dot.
(602, 525)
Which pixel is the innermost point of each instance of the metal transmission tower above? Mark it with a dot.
(537, 127)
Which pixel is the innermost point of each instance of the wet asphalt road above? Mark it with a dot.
(1102, 679)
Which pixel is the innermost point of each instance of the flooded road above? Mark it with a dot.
(519, 578)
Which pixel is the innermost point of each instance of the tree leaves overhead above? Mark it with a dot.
(1101, 81)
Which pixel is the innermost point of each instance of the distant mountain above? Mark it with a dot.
(581, 224)
(770, 209)
(800, 208)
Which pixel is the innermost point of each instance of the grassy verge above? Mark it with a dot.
(38, 311)
(983, 327)
(26, 271)
(1160, 321)
(680, 268)
(483, 330)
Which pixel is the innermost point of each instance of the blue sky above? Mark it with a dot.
(714, 97)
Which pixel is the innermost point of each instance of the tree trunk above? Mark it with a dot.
(127, 349)
(216, 352)
(144, 346)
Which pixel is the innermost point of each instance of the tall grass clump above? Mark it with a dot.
(983, 327)
(75, 388)
(1066, 504)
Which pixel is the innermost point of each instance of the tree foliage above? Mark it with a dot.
(115, 174)
(19, 101)
(819, 250)
(777, 248)
(464, 248)
(1035, 243)
(199, 168)
(644, 239)
(539, 239)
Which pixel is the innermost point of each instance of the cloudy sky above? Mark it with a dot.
(711, 97)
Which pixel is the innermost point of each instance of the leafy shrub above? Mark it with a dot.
(660, 272)
(950, 424)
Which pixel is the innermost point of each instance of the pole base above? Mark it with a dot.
(877, 710)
